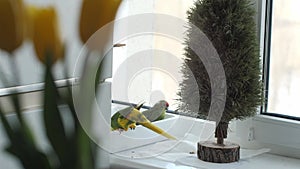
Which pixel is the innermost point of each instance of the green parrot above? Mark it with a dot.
(157, 112)
(128, 117)
(119, 122)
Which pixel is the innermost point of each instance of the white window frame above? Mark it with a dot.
(31, 95)
(280, 135)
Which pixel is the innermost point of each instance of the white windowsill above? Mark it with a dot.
(266, 160)
(277, 121)
(281, 135)
(261, 161)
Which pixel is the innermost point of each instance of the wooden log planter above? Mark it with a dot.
(211, 152)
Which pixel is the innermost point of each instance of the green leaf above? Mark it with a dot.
(86, 155)
(23, 147)
(6, 125)
(52, 118)
(23, 126)
(81, 143)
(27, 153)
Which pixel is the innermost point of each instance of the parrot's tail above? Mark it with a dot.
(158, 130)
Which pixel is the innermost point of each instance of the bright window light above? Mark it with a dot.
(284, 76)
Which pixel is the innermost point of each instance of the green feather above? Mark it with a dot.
(157, 112)
(117, 118)
(114, 121)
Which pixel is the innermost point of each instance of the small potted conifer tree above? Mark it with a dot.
(231, 28)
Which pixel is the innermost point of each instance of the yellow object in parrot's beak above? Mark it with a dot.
(95, 14)
(12, 24)
(46, 34)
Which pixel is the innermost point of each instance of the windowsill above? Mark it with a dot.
(278, 131)
(279, 134)
(187, 125)
(260, 161)
(267, 160)
(277, 121)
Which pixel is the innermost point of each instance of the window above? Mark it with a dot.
(283, 59)
(148, 67)
(279, 134)
(30, 71)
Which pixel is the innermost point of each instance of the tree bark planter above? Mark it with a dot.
(212, 152)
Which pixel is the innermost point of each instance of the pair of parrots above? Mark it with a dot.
(129, 117)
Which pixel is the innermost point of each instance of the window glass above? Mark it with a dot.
(284, 80)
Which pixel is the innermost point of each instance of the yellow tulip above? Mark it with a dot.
(46, 34)
(95, 14)
(30, 11)
(12, 24)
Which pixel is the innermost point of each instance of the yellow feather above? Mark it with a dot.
(157, 130)
(132, 115)
(123, 123)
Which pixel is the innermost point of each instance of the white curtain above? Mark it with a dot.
(147, 51)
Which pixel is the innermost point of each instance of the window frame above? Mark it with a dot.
(31, 95)
(275, 131)
(266, 53)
